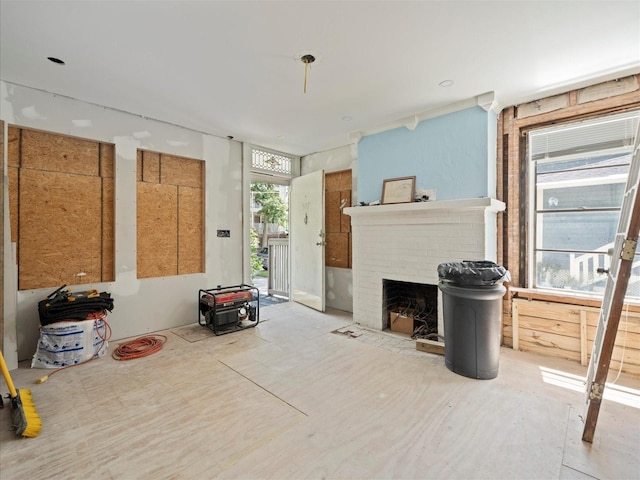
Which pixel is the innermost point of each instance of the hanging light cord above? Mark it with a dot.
(306, 59)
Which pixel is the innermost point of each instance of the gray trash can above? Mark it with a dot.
(472, 312)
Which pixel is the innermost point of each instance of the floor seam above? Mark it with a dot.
(263, 388)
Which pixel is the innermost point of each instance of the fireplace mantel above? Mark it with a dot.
(413, 212)
(407, 241)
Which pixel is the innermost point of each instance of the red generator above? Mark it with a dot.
(229, 309)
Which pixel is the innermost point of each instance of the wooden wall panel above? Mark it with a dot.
(338, 225)
(345, 201)
(139, 166)
(190, 230)
(13, 147)
(338, 181)
(57, 216)
(13, 162)
(337, 250)
(623, 338)
(157, 236)
(57, 238)
(150, 167)
(629, 321)
(108, 230)
(13, 173)
(332, 212)
(612, 88)
(550, 311)
(568, 330)
(46, 151)
(107, 160)
(181, 171)
(183, 226)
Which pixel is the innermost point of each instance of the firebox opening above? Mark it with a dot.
(410, 308)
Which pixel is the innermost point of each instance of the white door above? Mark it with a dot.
(306, 217)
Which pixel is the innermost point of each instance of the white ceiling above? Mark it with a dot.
(233, 67)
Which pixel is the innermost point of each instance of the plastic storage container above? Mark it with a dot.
(472, 312)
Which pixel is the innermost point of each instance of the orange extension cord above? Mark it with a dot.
(139, 347)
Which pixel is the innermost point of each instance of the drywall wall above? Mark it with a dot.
(141, 305)
(453, 154)
(338, 281)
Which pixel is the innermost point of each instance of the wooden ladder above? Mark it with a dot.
(617, 280)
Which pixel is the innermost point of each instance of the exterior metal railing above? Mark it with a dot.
(278, 267)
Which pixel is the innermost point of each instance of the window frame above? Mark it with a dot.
(536, 212)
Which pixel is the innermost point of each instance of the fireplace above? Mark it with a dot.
(406, 242)
(416, 301)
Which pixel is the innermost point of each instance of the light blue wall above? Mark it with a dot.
(454, 154)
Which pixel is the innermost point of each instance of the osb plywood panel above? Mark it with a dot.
(46, 151)
(13, 201)
(337, 224)
(107, 160)
(332, 212)
(338, 181)
(181, 171)
(139, 166)
(190, 231)
(337, 250)
(13, 147)
(58, 240)
(157, 235)
(151, 167)
(108, 230)
(345, 220)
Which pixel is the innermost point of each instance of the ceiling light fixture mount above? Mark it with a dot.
(56, 60)
(307, 60)
(446, 83)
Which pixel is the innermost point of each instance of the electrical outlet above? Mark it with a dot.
(430, 194)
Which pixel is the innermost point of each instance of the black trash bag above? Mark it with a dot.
(476, 273)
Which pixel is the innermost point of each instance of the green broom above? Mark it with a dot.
(23, 412)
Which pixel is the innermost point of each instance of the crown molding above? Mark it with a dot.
(486, 100)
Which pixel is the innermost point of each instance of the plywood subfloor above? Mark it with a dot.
(291, 399)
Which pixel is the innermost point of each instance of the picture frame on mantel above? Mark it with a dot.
(398, 190)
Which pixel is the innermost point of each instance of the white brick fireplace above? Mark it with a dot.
(406, 242)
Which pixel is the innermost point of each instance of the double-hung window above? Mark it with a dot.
(579, 171)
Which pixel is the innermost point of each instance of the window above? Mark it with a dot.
(579, 175)
(270, 162)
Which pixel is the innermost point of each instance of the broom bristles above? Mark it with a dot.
(24, 414)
